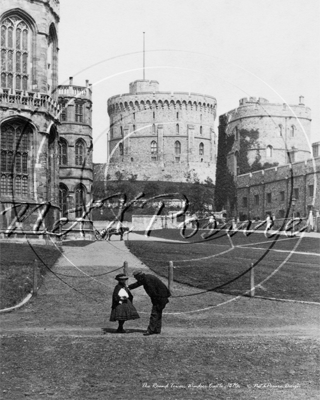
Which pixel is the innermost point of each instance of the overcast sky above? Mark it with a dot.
(228, 49)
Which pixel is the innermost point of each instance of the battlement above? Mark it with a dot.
(75, 91)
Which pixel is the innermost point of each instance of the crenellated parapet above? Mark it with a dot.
(162, 101)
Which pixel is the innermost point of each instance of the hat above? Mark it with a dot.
(136, 273)
(121, 276)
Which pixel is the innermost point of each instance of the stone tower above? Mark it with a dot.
(266, 134)
(161, 135)
(75, 147)
(29, 110)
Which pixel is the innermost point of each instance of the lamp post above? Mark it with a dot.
(293, 203)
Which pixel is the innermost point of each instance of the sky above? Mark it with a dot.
(228, 49)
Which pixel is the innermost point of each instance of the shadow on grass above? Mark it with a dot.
(114, 330)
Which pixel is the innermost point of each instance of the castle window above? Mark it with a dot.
(134, 115)
(256, 199)
(282, 196)
(154, 129)
(177, 150)
(244, 202)
(269, 151)
(154, 147)
(200, 130)
(236, 163)
(133, 128)
(296, 193)
(292, 130)
(311, 190)
(280, 130)
(111, 133)
(80, 200)
(315, 150)
(177, 129)
(268, 198)
(236, 133)
(15, 53)
(131, 159)
(63, 115)
(80, 152)
(201, 149)
(63, 198)
(290, 157)
(63, 156)
(177, 115)
(79, 112)
(154, 150)
(121, 131)
(154, 115)
(121, 149)
(15, 151)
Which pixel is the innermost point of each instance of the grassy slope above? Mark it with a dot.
(16, 269)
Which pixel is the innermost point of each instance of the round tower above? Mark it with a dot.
(75, 158)
(29, 111)
(266, 134)
(163, 136)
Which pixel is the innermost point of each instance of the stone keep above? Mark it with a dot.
(283, 132)
(162, 136)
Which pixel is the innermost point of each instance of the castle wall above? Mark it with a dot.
(282, 191)
(286, 128)
(146, 115)
(28, 110)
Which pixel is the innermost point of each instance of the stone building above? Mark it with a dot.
(266, 133)
(161, 136)
(76, 170)
(31, 150)
(281, 192)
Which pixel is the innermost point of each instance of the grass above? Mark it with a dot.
(16, 270)
(213, 265)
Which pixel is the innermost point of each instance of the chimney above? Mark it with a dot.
(87, 82)
(70, 81)
(301, 100)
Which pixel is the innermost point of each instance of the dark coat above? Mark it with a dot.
(116, 297)
(155, 289)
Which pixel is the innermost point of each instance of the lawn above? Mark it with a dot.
(16, 269)
(223, 264)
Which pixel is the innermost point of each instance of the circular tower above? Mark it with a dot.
(161, 136)
(29, 113)
(266, 134)
(75, 158)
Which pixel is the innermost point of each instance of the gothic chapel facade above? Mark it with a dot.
(45, 129)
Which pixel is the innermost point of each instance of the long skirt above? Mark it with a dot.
(124, 312)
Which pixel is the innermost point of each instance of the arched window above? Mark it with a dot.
(80, 200)
(121, 149)
(293, 128)
(63, 198)
(280, 130)
(177, 129)
(269, 151)
(63, 152)
(236, 163)
(177, 150)
(154, 129)
(16, 138)
(15, 53)
(80, 152)
(154, 150)
(201, 149)
(63, 114)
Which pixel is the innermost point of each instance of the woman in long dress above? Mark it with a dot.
(122, 307)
